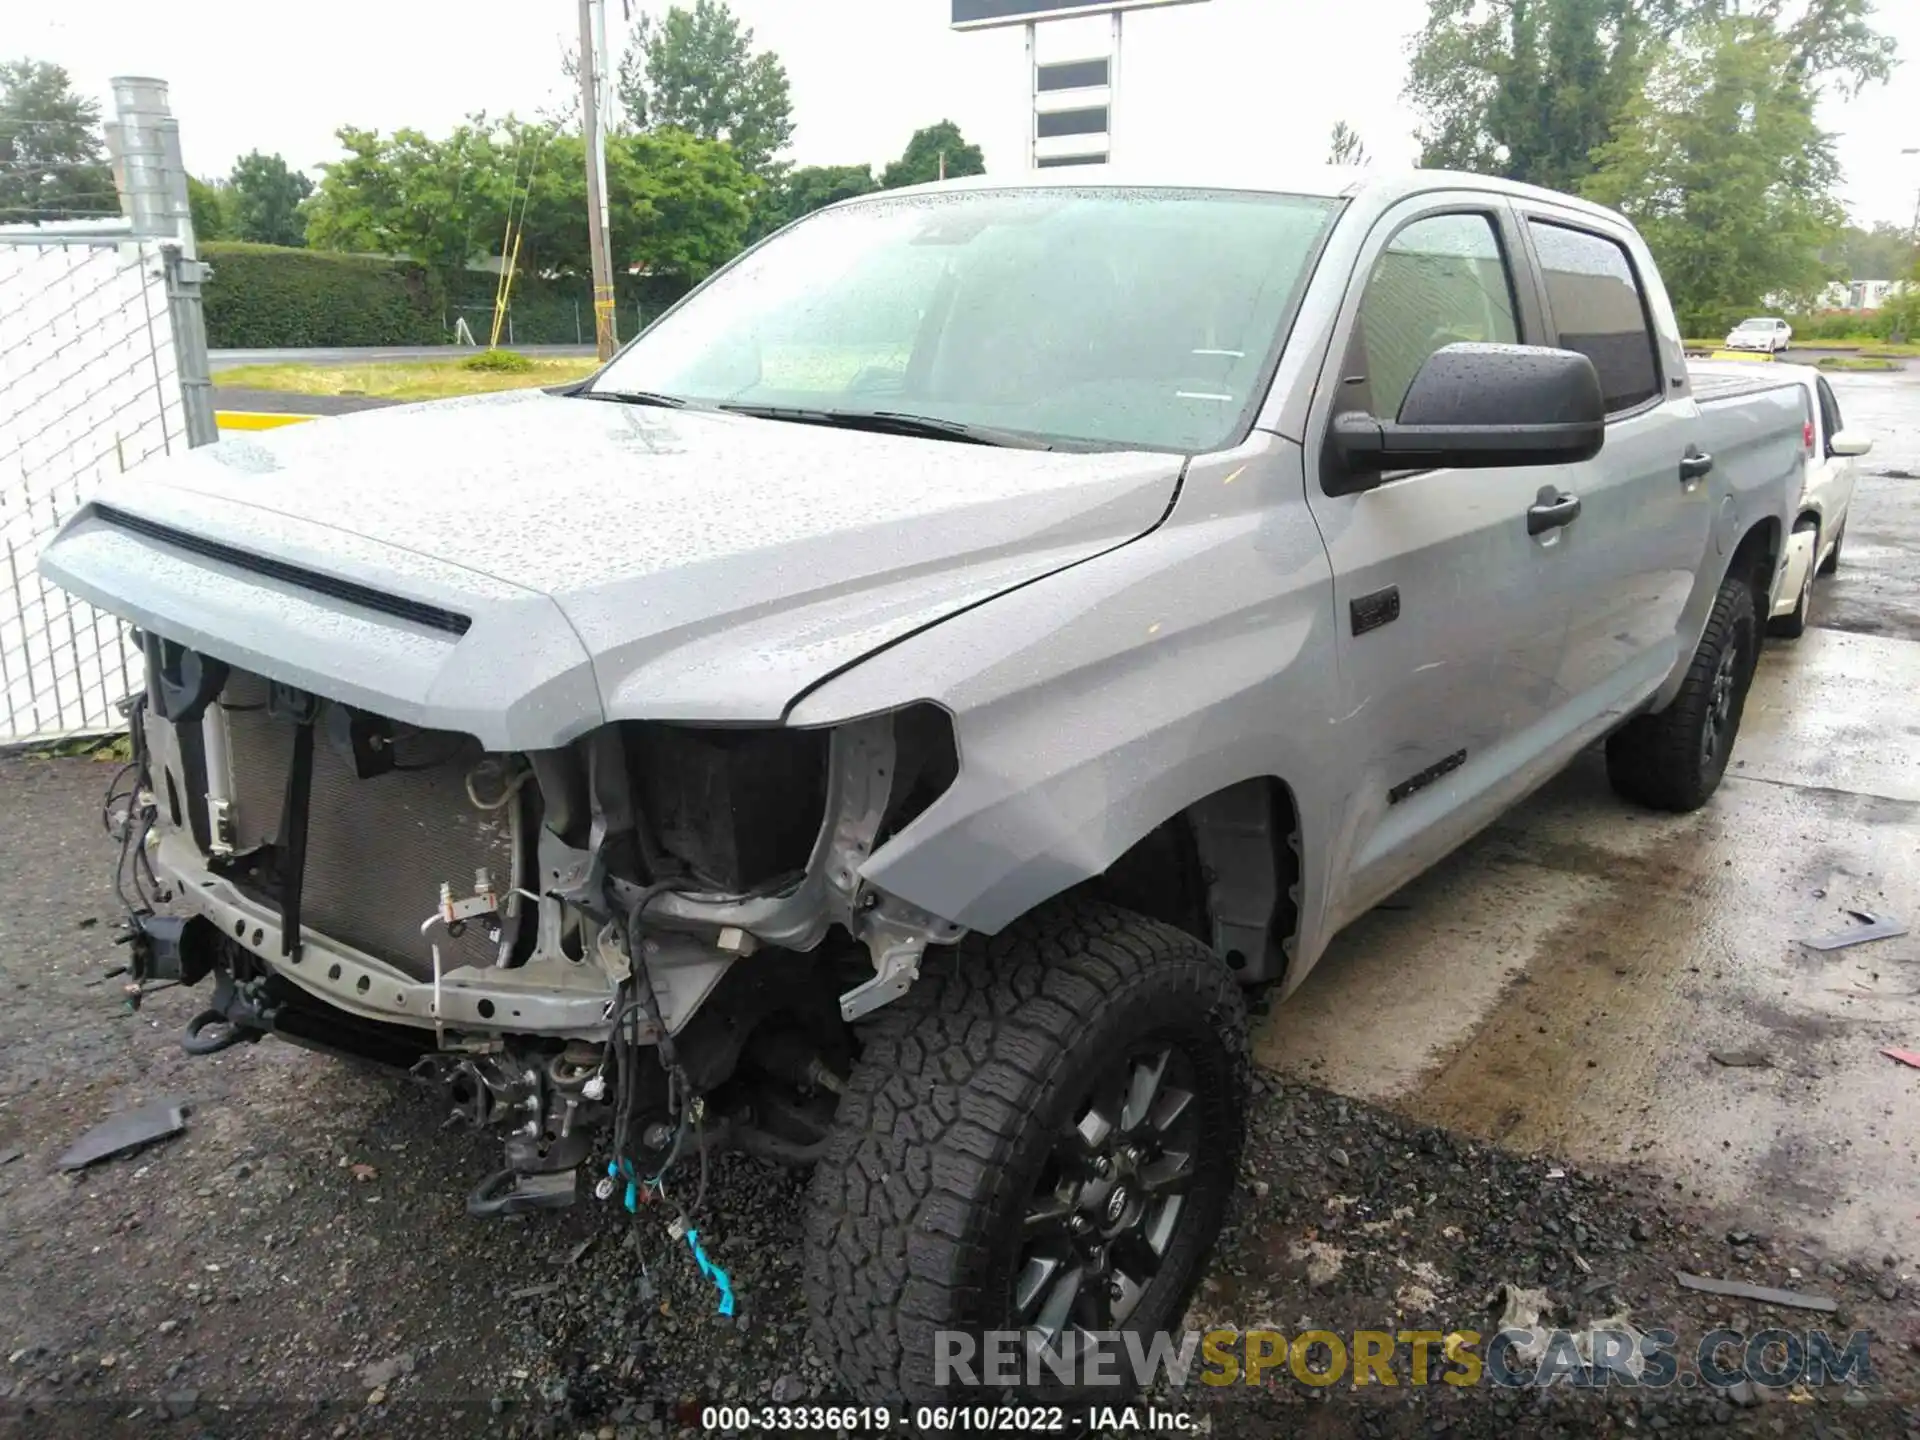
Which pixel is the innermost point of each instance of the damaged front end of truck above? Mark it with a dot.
(501, 783)
(648, 943)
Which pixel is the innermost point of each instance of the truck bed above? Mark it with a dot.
(1728, 379)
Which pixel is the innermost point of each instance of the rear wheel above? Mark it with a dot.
(1673, 760)
(1040, 1137)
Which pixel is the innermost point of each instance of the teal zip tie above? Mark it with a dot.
(615, 1171)
(712, 1271)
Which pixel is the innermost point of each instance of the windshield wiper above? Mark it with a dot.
(894, 422)
(637, 397)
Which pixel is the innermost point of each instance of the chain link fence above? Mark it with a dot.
(103, 366)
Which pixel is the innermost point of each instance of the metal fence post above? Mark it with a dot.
(184, 298)
(153, 187)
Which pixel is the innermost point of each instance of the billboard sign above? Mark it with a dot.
(984, 14)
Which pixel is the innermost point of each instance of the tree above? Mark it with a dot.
(1882, 253)
(697, 71)
(1529, 89)
(266, 197)
(681, 203)
(936, 150)
(442, 202)
(678, 204)
(51, 163)
(1721, 166)
(1903, 308)
(208, 208)
(1829, 40)
(1345, 147)
(807, 189)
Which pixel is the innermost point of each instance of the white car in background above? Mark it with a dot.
(1762, 333)
(1821, 524)
(1820, 520)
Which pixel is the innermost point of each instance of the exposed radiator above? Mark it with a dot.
(379, 849)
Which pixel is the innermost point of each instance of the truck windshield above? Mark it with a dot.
(1100, 317)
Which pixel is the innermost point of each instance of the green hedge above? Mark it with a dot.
(269, 297)
(1845, 324)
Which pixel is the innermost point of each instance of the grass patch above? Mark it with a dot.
(1869, 345)
(108, 749)
(1857, 362)
(1821, 352)
(407, 379)
(1846, 344)
(502, 362)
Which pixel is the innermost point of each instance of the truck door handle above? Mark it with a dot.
(1694, 465)
(1550, 510)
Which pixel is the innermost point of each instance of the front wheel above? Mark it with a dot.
(1040, 1138)
(1673, 760)
(1832, 562)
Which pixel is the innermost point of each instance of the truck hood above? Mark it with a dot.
(702, 566)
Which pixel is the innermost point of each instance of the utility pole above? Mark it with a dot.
(1898, 333)
(603, 301)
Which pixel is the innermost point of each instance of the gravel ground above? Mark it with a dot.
(300, 1263)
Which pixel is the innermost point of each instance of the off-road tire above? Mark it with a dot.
(963, 1088)
(1662, 760)
(1832, 562)
(1793, 626)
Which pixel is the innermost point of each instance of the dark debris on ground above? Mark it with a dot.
(299, 1261)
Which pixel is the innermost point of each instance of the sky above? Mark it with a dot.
(1221, 75)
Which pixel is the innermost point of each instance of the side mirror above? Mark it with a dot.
(1848, 442)
(1479, 406)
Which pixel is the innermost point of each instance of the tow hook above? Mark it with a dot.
(225, 1023)
(210, 1032)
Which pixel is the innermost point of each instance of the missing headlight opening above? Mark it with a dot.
(655, 937)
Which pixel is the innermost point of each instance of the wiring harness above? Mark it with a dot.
(624, 1056)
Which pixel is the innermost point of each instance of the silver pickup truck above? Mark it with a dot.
(883, 719)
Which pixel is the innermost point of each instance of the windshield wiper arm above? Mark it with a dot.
(894, 422)
(637, 397)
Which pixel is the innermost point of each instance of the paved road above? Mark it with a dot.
(229, 359)
(282, 402)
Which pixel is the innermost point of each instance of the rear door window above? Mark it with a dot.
(1599, 311)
